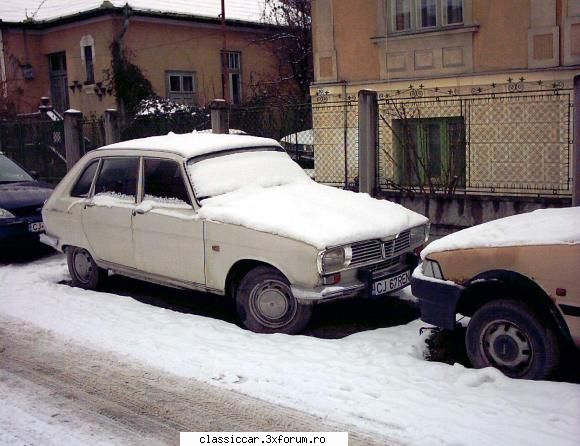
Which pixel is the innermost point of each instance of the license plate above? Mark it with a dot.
(36, 227)
(393, 283)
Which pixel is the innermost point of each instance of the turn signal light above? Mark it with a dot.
(332, 279)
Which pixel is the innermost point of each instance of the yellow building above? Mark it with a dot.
(480, 88)
(63, 52)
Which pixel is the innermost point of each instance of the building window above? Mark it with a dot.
(417, 15)
(89, 65)
(428, 13)
(453, 12)
(88, 58)
(181, 86)
(402, 14)
(430, 151)
(233, 62)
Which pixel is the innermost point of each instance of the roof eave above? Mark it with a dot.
(118, 11)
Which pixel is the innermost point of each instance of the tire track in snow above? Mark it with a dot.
(134, 403)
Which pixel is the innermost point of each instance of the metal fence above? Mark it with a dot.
(510, 143)
(37, 145)
(154, 125)
(335, 140)
(93, 133)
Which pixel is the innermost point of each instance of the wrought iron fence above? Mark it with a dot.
(289, 124)
(93, 133)
(154, 125)
(516, 143)
(37, 145)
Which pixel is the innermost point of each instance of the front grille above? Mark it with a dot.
(373, 251)
(366, 252)
(398, 245)
(384, 265)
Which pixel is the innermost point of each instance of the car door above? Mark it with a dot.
(167, 234)
(107, 215)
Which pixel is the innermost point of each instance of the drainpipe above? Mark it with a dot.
(3, 83)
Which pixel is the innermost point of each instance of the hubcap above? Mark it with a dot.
(272, 303)
(507, 347)
(83, 266)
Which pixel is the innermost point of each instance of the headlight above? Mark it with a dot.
(334, 259)
(431, 268)
(419, 235)
(6, 214)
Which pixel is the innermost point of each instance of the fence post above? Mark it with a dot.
(576, 147)
(367, 140)
(219, 116)
(112, 128)
(72, 137)
(44, 107)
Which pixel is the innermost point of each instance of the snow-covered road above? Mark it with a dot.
(56, 392)
(377, 380)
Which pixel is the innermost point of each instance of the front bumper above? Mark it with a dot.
(362, 285)
(14, 231)
(437, 299)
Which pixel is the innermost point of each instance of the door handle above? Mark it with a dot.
(89, 204)
(139, 211)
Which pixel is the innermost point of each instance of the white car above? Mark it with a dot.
(232, 215)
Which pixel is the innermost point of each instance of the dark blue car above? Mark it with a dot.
(21, 200)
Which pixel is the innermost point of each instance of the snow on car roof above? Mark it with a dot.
(541, 227)
(194, 144)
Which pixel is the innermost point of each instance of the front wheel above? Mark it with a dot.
(83, 270)
(507, 335)
(265, 303)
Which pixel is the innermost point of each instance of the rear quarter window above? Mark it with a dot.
(82, 187)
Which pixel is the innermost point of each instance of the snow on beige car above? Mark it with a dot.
(232, 215)
(518, 279)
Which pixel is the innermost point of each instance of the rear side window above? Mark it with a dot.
(118, 177)
(164, 182)
(83, 186)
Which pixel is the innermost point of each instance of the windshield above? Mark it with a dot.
(230, 172)
(10, 172)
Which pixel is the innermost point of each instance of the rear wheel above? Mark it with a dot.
(83, 270)
(507, 335)
(265, 303)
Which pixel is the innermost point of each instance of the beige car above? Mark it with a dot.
(232, 215)
(518, 278)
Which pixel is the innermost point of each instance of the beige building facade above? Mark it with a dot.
(68, 59)
(481, 86)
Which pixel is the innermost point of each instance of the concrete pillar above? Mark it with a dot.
(367, 140)
(112, 127)
(219, 116)
(576, 147)
(73, 134)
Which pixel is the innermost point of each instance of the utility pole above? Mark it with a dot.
(224, 58)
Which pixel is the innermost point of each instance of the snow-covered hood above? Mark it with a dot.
(540, 227)
(319, 215)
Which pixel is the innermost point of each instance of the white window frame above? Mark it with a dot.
(441, 18)
(445, 19)
(232, 70)
(88, 41)
(181, 96)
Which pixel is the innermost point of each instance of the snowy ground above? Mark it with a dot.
(376, 380)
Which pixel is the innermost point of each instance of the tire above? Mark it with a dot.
(265, 303)
(83, 270)
(507, 335)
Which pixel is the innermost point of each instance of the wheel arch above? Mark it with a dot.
(239, 269)
(495, 284)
